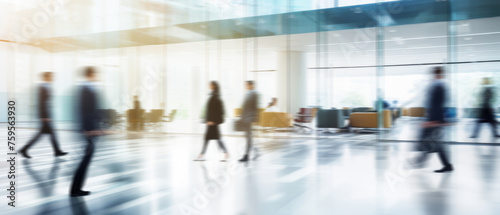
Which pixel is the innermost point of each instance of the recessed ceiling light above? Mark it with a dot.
(468, 38)
(392, 30)
(464, 24)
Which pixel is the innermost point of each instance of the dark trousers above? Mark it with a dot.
(81, 172)
(487, 116)
(430, 141)
(221, 146)
(45, 129)
(249, 138)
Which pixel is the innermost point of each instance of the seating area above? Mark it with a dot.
(319, 119)
(309, 119)
(370, 119)
(135, 119)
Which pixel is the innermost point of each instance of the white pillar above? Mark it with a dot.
(196, 99)
(291, 81)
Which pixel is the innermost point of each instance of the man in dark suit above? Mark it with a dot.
(45, 117)
(89, 126)
(249, 115)
(432, 128)
(487, 112)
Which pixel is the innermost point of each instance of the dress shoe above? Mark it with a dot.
(199, 158)
(445, 169)
(79, 193)
(473, 137)
(24, 153)
(60, 153)
(244, 158)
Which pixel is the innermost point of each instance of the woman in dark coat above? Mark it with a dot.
(213, 117)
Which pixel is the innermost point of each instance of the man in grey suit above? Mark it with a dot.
(249, 115)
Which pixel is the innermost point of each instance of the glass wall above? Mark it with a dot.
(350, 53)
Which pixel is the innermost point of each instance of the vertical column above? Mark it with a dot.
(291, 81)
(380, 74)
(451, 73)
(195, 94)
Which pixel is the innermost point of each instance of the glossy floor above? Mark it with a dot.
(333, 174)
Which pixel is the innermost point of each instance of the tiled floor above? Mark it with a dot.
(341, 174)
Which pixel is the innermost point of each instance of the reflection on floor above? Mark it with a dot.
(155, 174)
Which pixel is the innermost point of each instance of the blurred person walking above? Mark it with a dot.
(487, 114)
(44, 113)
(431, 133)
(89, 126)
(214, 116)
(249, 115)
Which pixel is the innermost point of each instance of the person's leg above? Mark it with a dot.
(24, 150)
(477, 126)
(204, 149)
(222, 146)
(442, 152)
(53, 139)
(248, 134)
(32, 141)
(424, 147)
(81, 171)
(443, 157)
(493, 122)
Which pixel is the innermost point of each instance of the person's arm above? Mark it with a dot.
(86, 119)
(437, 106)
(209, 118)
(88, 111)
(216, 109)
(222, 111)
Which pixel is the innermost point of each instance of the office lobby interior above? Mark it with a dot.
(351, 83)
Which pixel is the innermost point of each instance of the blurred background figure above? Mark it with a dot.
(487, 114)
(136, 116)
(137, 103)
(213, 117)
(249, 115)
(44, 113)
(89, 126)
(273, 105)
(431, 129)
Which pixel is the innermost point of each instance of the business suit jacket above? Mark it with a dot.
(250, 110)
(215, 114)
(43, 102)
(88, 109)
(487, 112)
(44, 111)
(436, 102)
(487, 97)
